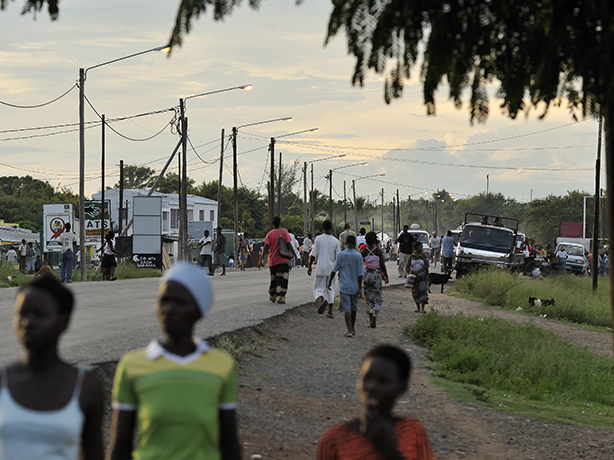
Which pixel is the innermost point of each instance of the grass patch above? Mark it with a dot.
(575, 300)
(518, 368)
(236, 347)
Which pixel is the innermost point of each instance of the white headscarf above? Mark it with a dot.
(195, 280)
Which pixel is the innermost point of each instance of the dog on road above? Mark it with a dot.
(534, 302)
(438, 278)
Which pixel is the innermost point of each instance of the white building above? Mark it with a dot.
(199, 209)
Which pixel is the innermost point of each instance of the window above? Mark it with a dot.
(174, 218)
(190, 215)
(211, 216)
(201, 215)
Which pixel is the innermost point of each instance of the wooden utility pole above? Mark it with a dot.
(235, 192)
(345, 208)
(272, 183)
(355, 207)
(279, 189)
(312, 206)
(305, 199)
(121, 196)
(382, 216)
(183, 189)
(330, 195)
(595, 264)
(102, 184)
(219, 184)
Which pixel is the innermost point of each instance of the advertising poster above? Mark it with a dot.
(93, 220)
(366, 225)
(55, 218)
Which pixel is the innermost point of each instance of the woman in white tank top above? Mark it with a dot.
(49, 410)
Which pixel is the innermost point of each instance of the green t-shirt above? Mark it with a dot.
(177, 400)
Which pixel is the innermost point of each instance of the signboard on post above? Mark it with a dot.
(366, 225)
(147, 233)
(93, 220)
(55, 218)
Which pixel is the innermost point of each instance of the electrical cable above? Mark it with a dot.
(15, 106)
(170, 122)
(34, 136)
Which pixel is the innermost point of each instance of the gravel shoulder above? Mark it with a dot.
(299, 378)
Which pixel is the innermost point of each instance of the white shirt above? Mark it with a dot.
(205, 249)
(294, 242)
(361, 239)
(307, 244)
(67, 239)
(11, 255)
(325, 248)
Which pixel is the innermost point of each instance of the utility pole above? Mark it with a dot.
(487, 184)
(102, 184)
(235, 191)
(595, 264)
(312, 206)
(394, 216)
(82, 171)
(272, 182)
(330, 195)
(345, 208)
(382, 216)
(183, 189)
(304, 199)
(219, 184)
(355, 207)
(279, 189)
(398, 215)
(121, 195)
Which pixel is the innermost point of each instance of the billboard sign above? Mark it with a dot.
(366, 225)
(93, 219)
(55, 218)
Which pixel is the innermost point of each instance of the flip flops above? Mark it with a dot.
(322, 308)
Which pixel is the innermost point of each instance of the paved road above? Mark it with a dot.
(113, 318)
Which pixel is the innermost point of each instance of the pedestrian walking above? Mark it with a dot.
(180, 389)
(307, 244)
(418, 265)
(68, 240)
(405, 241)
(22, 252)
(108, 263)
(377, 433)
(344, 234)
(435, 245)
(30, 258)
(243, 252)
(447, 245)
(206, 245)
(279, 264)
(49, 409)
(376, 272)
(325, 249)
(219, 257)
(361, 238)
(561, 255)
(295, 247)
(350, 266)
(11, 256)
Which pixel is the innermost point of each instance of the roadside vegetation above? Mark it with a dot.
(575, 300)
(517, 368)
(10, 277)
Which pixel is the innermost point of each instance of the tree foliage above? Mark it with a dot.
(136, 177)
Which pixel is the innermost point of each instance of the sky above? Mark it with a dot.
(279, 49)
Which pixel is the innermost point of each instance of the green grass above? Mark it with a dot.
(518, 368)
(123, 271)
(575, 300)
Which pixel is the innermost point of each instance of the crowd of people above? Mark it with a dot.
(176, 398)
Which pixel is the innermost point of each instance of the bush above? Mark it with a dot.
(575, 300)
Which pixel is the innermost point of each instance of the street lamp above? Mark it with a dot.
(183, 192)
(82, 78)
(354, 194)
(235, 131)
(330, 179)
(272, 175)
(311, 207)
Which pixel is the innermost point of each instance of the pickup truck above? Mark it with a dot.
(488, 241)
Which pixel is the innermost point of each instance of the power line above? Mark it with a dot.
(15, 106)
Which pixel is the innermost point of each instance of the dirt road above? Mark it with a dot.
(300, 377)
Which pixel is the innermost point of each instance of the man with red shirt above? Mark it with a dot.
(278, 266)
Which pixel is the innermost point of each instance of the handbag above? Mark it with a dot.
(410, 282)
(282, 247)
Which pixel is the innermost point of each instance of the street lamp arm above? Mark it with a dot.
(349, 166)
(165, 48)
(312, 130)
(263, 122)
(245, 87)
